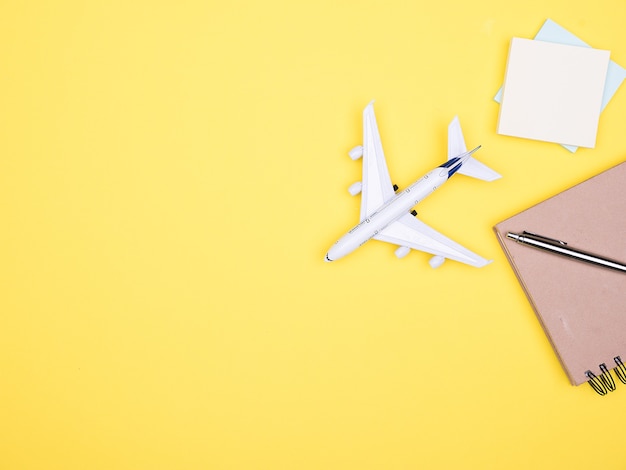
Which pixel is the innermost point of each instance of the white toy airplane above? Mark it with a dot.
(385, 215)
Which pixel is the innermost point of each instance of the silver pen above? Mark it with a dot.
(561, 248)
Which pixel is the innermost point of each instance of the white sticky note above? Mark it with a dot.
(553, 92)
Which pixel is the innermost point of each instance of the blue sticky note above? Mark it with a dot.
(552, 32)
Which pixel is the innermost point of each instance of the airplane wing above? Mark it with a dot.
(412, 233)
(472, 167)
(376, 184)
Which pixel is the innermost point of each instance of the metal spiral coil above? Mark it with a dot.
(620, 369)
(606, 378)
(604, 383)
(595, 383)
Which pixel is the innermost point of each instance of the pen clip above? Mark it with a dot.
(547, 239)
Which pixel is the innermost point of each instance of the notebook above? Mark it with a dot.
(582, 307)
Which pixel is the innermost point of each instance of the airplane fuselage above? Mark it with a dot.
(392, 210)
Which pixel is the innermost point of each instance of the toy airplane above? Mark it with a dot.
(385, 214)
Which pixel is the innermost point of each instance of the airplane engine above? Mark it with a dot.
(402, 251)
(356, 152)
(355, 188)
(436, 261)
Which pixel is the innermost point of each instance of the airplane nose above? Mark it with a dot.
(327, 259)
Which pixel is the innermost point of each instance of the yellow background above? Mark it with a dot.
(171, 176)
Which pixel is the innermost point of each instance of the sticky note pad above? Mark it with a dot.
(553, 92)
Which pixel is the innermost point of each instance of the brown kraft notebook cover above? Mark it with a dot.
(582, 307)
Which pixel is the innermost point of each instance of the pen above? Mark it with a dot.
(561, 248)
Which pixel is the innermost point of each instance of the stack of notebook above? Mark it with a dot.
(582, 307)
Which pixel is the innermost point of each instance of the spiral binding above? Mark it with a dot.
(595, 383)
(604, 383)
(620, 369)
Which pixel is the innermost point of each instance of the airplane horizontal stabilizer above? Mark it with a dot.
(475, 169)
(472, 167)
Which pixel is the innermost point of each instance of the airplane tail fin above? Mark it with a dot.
(472, 167)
